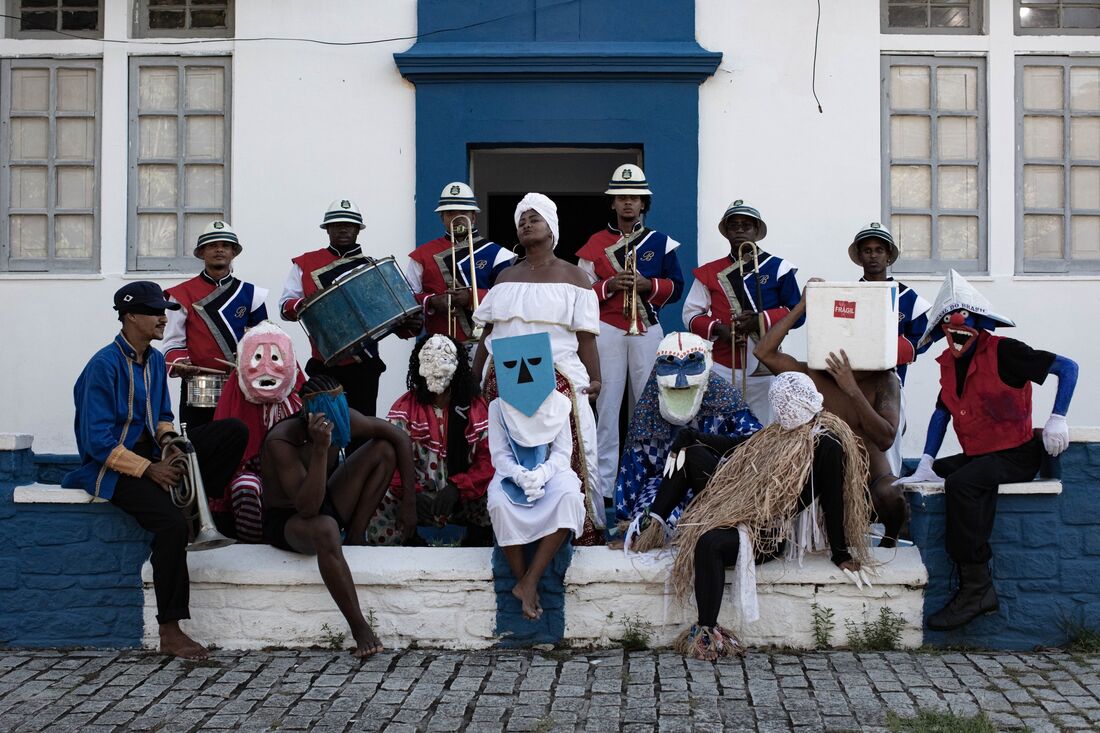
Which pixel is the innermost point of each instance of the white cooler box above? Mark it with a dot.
(861, 318)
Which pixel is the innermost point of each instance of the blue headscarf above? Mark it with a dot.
(334, 405)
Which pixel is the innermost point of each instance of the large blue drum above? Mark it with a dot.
(362, 305)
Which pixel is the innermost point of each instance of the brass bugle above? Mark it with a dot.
(190, 495)
(761, 369)
(630, 297)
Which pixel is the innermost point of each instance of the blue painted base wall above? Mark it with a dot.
(1046, 559)
(70, 574)
(513, 629)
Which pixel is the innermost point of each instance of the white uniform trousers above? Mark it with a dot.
(893, 456)
(621, 356)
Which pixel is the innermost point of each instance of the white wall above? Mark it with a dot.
(816, 177)
(311, 123)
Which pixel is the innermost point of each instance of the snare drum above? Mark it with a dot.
(362, 305)
(203, 390)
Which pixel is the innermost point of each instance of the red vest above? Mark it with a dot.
(434, 281)
(990, 415)
(319, 268)
(713, 275)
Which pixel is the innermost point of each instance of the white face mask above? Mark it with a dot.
(683, 370)
(438, 363)
(794, 399)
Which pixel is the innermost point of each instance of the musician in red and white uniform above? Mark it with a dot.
(727, 285)
(216, 310)
(658, 281)
(316, 270)
(430, 269)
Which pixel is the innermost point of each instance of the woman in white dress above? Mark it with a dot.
(542, 293)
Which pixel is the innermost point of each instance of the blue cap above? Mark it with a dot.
(141, 297)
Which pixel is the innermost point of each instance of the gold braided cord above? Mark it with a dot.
(759, 486)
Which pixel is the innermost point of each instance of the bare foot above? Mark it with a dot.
(175, 643)
(615, 544)
(367, 643)
(529, 598)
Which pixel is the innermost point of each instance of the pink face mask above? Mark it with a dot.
(266, 368)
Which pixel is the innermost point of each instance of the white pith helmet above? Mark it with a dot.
(628, 179)
(457, 196)
(217, 231)
(343, 210)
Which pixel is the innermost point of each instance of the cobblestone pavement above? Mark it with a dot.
(421, 690)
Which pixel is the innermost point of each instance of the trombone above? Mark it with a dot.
(742, 337)
(461, 226)
(189, 493)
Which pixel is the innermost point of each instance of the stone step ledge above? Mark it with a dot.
(255, 596)
(53, 494)
(1047, 486)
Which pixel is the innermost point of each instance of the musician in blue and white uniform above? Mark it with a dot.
(874, 249)
(216, 309)
(656, 280)
(731, 284)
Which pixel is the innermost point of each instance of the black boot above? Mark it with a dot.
(974, 598)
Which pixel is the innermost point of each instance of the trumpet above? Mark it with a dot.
(462, 226)
(190, 495)
(630, 297)
(740, 338)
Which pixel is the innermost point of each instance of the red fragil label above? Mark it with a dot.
(844, 309)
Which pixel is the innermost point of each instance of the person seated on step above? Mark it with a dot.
(315, 496)
(260, 391)
(770, 497)
(686, 405)
(869, 401)
(535, 496)
(447, 420)
(985, 387)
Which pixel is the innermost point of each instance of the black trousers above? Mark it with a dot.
(360, 381)
(970, 492)
(718, 548)
(702, 459)
(219, 446)
(193, 416)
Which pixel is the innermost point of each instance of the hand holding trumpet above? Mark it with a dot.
(624, 281)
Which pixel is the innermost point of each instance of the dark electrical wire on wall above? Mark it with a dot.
(813, 75)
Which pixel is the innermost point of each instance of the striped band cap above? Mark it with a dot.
(343, 210)
(217, 231)
(457, 196)
(740, 208)
(874, 230)
(627, 180)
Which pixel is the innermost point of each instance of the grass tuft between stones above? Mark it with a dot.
(928, 721)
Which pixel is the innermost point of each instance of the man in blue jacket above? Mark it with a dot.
(123, 424)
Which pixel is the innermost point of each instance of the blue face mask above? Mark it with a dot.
(335, 409)
(681, 367)
(525, 370)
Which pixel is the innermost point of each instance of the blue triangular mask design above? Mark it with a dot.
(525, 370)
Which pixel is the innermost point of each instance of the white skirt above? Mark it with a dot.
(562, 507)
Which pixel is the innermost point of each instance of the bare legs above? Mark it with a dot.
(357, 486)
(320, 536)
(528, 576)
(890, 507)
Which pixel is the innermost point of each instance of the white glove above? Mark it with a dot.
(923, 473)
(1056, 435)
(533, 479)
(534, 494)
(859, 577)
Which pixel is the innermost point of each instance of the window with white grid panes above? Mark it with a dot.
(184, 18)
(933, 162)
(931, 16)
(1058, 164)
(55, 19)
(179, 157)
(49, 170)
(1059, 17)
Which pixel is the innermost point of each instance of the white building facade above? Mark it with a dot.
(975, 137)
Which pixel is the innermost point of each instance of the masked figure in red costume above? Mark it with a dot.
(985, 387)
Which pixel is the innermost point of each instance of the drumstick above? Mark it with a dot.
(202, 370)
(229, 364)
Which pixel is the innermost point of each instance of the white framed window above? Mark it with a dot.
(931, 16)
(1059, 17)
(55, 19)
(49, 165)
(183, 18)
(179, 156)
(934, 161)
(1057, 164)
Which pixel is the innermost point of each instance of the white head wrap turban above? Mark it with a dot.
(794, 399)
(546, 208)
(438, 362)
